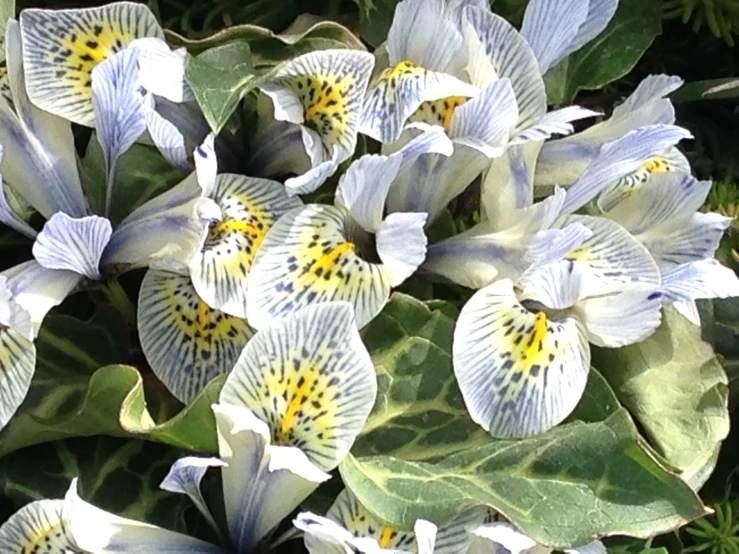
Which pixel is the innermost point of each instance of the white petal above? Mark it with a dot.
(507, 536)
(249, 207)
(600, 14)
(620, 319)
(699, 280)
(166, 136)
(508, 55)
(556, 122)
(595, 547)
(37, 527)
(170, 226)
(320, 385)
(323, 536)
(484, 121)
(17, 364)
(308, 257)
(261, 484)
(401, 244)
(619, 158)
(8, 215)
(118, 106)
(161, 70)
(520, 373)
(41, 162)
(95, 530)
(184, 477)
(186, 342)
(550, 26)
(73, 244)
(558, 285)
(37, 289)
(61, 48)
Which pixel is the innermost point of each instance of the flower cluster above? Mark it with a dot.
(580, 240)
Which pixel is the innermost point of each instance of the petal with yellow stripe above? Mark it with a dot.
(249, 207)
(61, 48)
(310, 378)
(323, 92)
(520, 372)
(38, 527)
(617, 261)
(186, 342)
(311, 255)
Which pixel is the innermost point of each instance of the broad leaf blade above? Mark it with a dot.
(608, 57)
(562, 488)
(676, 388)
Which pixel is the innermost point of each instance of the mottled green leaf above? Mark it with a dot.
(306, 34)
(419, 413)
(78, 390)
(676, 388)
(609, 56)
(142, 173)
(562, 488)
(118, 475)
(220, 78)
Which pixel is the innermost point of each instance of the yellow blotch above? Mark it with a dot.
(404, 67)
(578, 254)
(37, 542)
(386, 536)
(329, 259)
(657, 165)
(203, 313)
(537, 336)
(298, 399)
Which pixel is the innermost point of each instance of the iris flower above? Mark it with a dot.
(63, 48)
(349, 527)
(663, 215)
(349, 251)
(521, 353)
(74, 246)
(563, 160)
(191, 318)
(322, 92)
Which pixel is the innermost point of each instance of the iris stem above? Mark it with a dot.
(117, 296)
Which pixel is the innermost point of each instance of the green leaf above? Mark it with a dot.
(419, 413)
(710, 89)
(597, 402)
(142, 173)
(220, 78)
(562, 488)
(375, 18)
(71, 395)
(675, 387)
(609, 56)
(118, 475)
(306, 34)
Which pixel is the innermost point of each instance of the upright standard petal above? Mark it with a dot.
(310, 378)
(94, 530)
(261, 483)
(61, 48)
(620, 158)
(186, 342)
(323, 92)
(550, 26)
(41, 162)
(184, 477)
(172, 226)
(562, 161)
(161, 70)
(249, 208)
(38, 527)
(520, 372)
(314, 255)
(73, 244)
(495, 45)
(119, 109)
